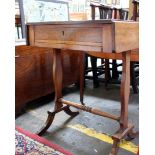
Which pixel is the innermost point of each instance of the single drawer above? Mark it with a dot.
(71, 35)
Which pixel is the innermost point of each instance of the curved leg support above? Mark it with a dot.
(81, 100)
(69, 112)
(47, 124)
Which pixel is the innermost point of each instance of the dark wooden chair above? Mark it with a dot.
(107, 12)
(135, 10)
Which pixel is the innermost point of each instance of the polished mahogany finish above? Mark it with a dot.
(98, 35)
(103, 36)
(34, 72)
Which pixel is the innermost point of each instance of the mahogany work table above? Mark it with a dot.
(98, 38)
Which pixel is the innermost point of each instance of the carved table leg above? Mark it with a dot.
(115, 148)
(125, 127)
(47, 124)
(125, 90)
(57, 78)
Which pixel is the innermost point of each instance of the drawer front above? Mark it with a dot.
(83, 35)
(76, 34)
(47, 33)
(73, 37)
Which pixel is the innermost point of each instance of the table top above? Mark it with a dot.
(101, 21)
(92, 35)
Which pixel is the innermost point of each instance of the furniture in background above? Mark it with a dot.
(33, 64)
(78, 16)
(105, 12)
(18, 26)
(42, 11)
(33, 73)
(18, 23)
(104, 38)
(135, 65)
(110, 68)
(135, 11)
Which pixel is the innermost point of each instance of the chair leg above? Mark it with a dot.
(115, 74)
(94, 70)
(18, 32)
(133, 78)
(83, 58)
(86, 62)
(85, 67)
(107, 72)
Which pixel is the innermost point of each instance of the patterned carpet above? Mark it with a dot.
(30, 144)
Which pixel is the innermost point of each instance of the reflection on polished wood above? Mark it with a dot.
(104, 38)
(34, 73)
